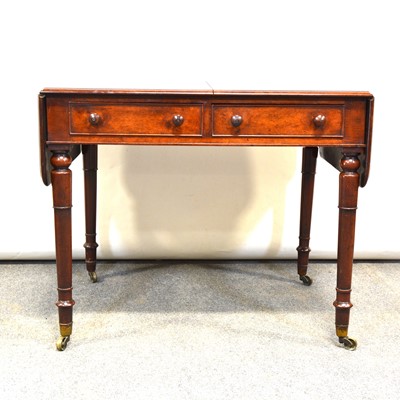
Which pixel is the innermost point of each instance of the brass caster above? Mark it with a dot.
(93, 276)
(62, 343)
(348, 343)
(306, 280)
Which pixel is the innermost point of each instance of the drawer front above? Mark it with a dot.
(136, 119)
(283, 120)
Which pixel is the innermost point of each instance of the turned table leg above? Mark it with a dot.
(348, 194)
(310, 155)
(90, 174)
(61, 179)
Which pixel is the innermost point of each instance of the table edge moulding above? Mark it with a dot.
(335, 125)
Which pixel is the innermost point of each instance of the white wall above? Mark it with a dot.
(197, 202)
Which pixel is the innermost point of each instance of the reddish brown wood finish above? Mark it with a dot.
(61, 179)
(307, 192)
(338, 123)
(278, 120)
(135, 119)
(62, 123)
(348, 194)
(90, 172)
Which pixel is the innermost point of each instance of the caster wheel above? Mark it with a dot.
(348, 343)
(306, 280)
(93, 276)
(62, 343)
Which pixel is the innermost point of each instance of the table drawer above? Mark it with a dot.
(136, 119)
(282, 120)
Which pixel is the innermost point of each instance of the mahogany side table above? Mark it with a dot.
(74, 121)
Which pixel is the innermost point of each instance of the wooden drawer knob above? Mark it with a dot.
(177, 120)
(319, 120)
(236, 120)
(94, 119)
